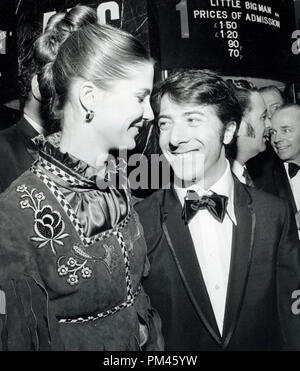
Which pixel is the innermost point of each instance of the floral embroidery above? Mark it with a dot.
(48, 224)
(72, 268)
(109, 259)
(86, 272)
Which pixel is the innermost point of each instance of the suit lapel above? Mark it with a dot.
(283, 185)
(26, 129)
(182, 249)
(28, 132)
(241, 255)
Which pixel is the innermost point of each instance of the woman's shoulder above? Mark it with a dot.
(26, 180)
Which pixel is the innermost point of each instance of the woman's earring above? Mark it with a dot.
(89, 116)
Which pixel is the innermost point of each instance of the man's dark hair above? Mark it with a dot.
(243, 90)
(201, 87)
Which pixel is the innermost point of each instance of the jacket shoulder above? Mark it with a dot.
(266, 198)
(8, 136)
(28, 181)
(150, 203)
(268, 205)
(149, 210)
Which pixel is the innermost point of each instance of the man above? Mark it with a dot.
(285, 139)
(251, 138)
(15, 142)
(260, 167)
(272, 97)
(16, 147)
(224, 256)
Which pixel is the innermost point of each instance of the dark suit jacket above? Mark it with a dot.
(8, 117)
(264, 271)
(14, 155)
(268, 174)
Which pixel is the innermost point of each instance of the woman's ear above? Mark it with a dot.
(89, 95)
(229, 132)
(35, 89)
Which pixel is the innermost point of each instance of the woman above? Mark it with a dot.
(73, 255)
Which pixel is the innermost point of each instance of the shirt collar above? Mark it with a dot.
(34, 124)
(238, 169)
(224, 186)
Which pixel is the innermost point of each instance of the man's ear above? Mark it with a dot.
(35, 89)
(242, 129)
(88, 95)
(229, 132)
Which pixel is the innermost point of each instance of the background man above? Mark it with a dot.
(224, 256)
(272, 97)
(251, 137)
(285, 139)
(16, 140)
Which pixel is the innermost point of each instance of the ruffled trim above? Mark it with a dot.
(49, 149)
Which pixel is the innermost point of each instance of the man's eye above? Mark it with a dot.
(193, 121)
(141, 99)
(162, 125)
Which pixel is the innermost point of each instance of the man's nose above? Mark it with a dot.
(268, 125)
(275, 137)
(177, 135)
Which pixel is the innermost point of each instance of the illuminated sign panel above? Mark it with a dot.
(232, 36)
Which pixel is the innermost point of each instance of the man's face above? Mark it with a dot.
(273, 101)
(252, 131)
(285, 134)
(190, 139)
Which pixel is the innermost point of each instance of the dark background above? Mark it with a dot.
(266, 50)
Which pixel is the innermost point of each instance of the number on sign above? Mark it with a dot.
(232, 34)
(184, 19)
(234, 53)
(233, 43)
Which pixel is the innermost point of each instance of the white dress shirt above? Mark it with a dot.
(295, 187)
(238, 171)
(212, 241)
(34, 124)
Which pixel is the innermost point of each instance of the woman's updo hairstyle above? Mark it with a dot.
(74, 46)
(59, 27)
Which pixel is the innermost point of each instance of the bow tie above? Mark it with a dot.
(215, 204)
(293, 169)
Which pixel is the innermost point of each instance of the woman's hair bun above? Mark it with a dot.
(58, 29)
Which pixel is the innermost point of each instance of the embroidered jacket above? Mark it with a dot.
(71, 261)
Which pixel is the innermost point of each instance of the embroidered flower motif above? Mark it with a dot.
(49, 227)
(73, 279)
(72, 262)
(86, 272)
(48, 224)
(63, 270)
(74, 267)
(25, 204)
(40, 196)
(22, 188)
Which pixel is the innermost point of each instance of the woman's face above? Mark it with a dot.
(125, 108)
